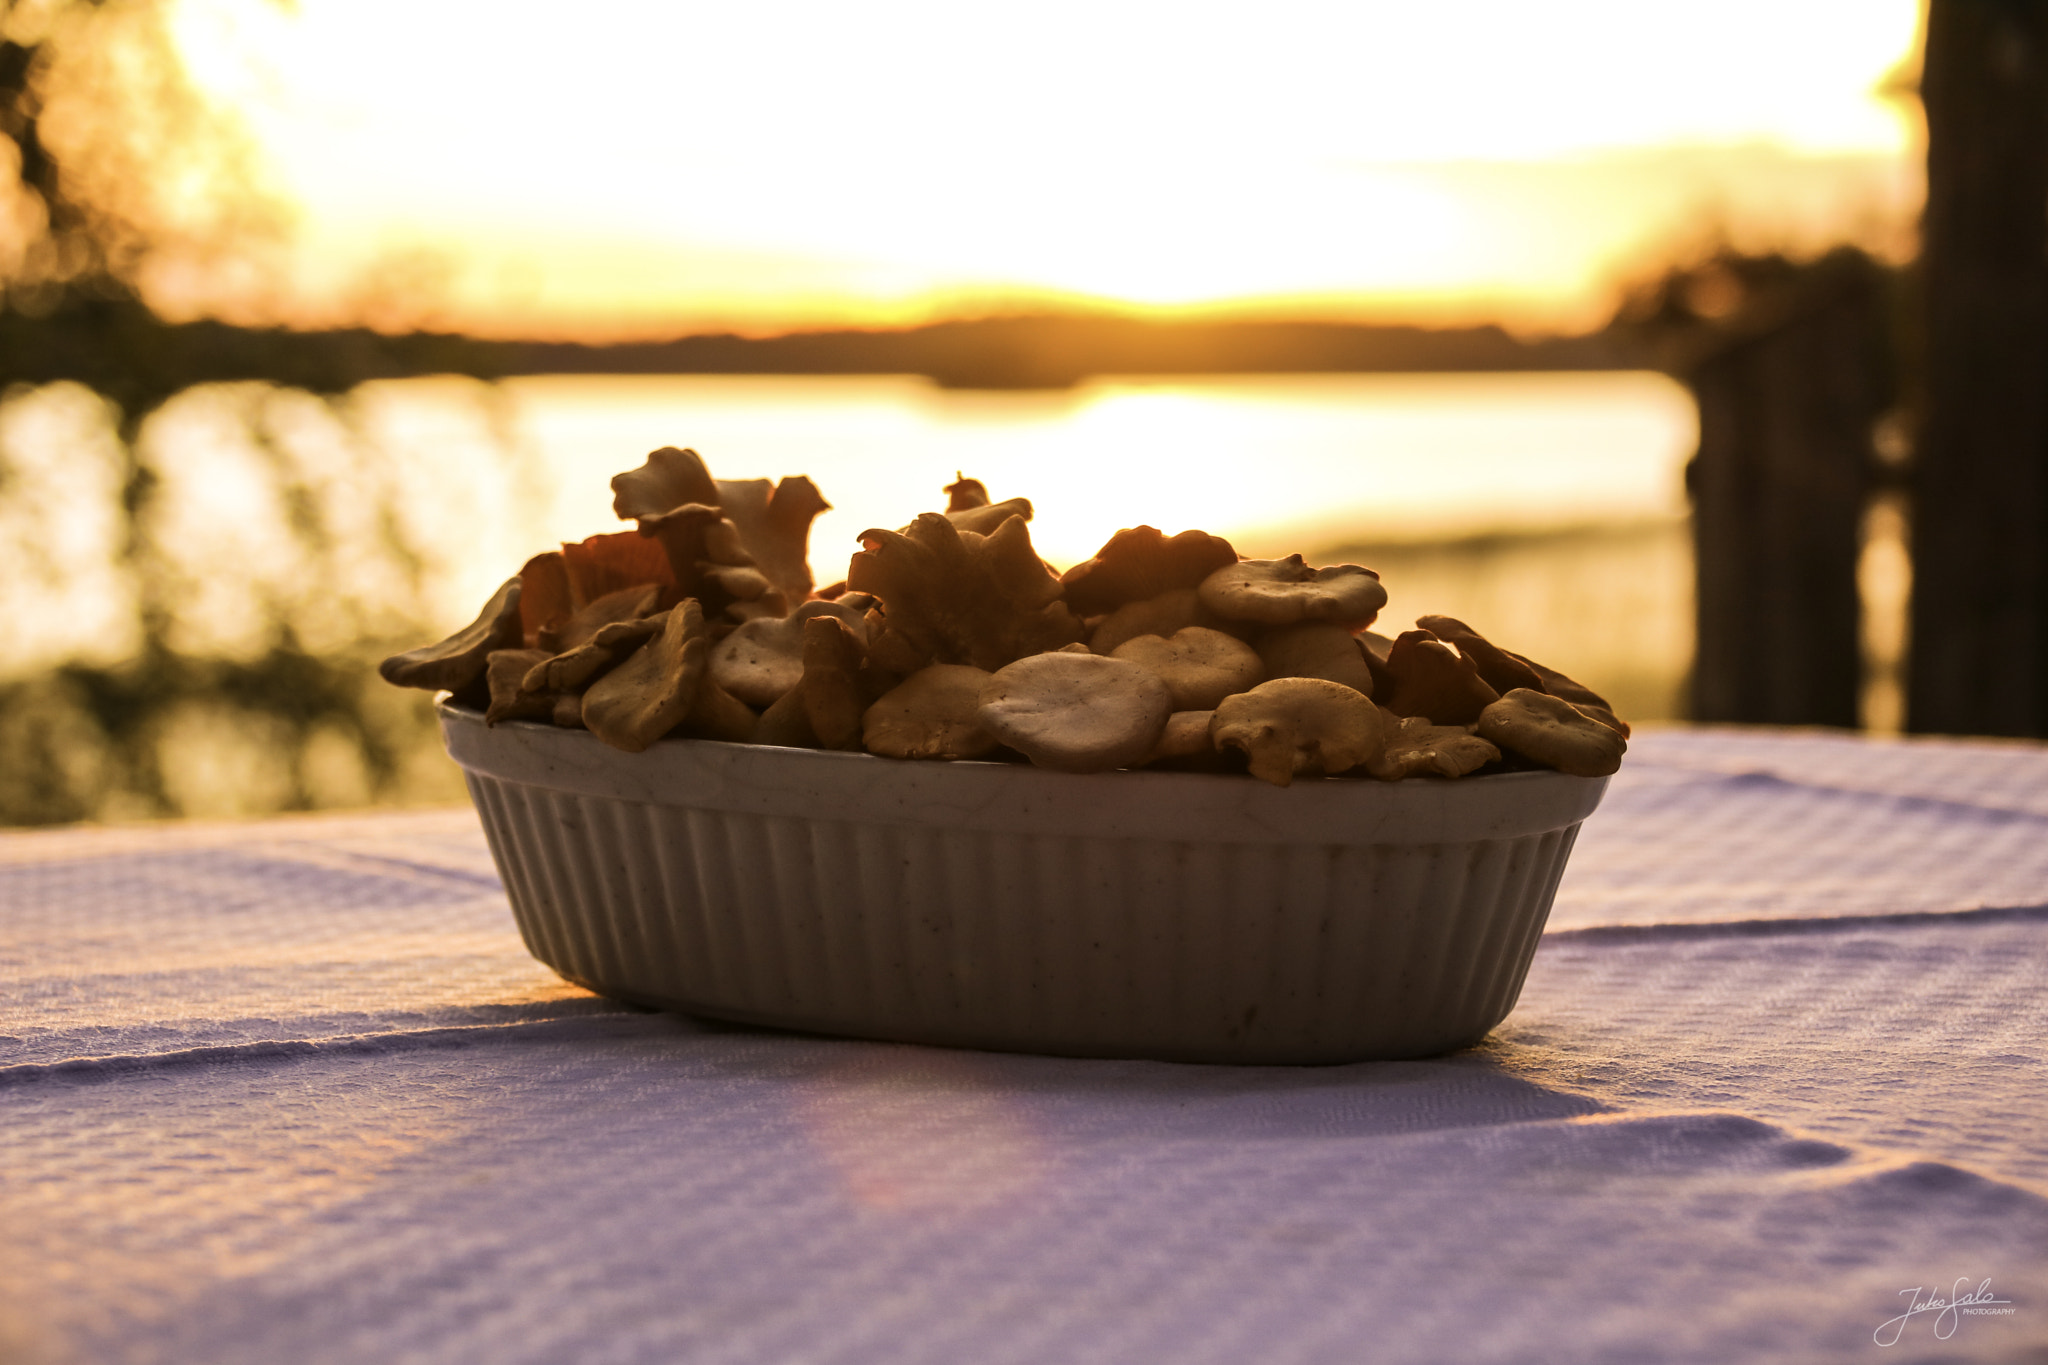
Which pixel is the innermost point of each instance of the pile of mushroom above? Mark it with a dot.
(950, 639)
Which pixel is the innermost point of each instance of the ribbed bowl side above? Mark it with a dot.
(1221, 952)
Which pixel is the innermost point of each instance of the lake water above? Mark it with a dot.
(1274, 464)
(1546, 509)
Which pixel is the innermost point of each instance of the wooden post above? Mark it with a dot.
(1788, 396)
(1978, 661)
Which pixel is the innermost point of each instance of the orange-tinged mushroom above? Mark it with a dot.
(545, 598)
(600, 565)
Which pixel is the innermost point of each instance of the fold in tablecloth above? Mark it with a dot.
(293, 1091)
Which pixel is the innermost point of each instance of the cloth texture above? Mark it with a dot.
(293, 1090)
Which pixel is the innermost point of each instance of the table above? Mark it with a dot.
(292, 1091)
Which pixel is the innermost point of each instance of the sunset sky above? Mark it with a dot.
(642, 168)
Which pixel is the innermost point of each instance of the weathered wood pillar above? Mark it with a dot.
(1787, 397)
(1978, 661)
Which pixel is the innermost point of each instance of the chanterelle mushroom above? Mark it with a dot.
(1161, 615)
(573, 669)
(1186, 736)
(1315, 649)
(1295, 726)
(1279, 592)
(652, 691)
(1076, 712)
(545, 598)
(668, 479)
(1199, 667)
(1553, 732)
(775, 527)
(610, 563)
(1426, 677)
(764, 658)
(1502, 671)
(1140, 562)
(956, 596)
(968, 507)
(458, 661)
(599, 614)
(933, 713)
(1414, 747)
(502, 674)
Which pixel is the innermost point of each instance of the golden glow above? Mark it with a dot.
(637, 166)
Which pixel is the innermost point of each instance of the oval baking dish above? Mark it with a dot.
(1185, 916)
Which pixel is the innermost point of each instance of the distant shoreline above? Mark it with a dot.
(120, 349)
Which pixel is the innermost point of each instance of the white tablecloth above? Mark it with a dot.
(292, 1091)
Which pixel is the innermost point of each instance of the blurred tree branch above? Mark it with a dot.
(113, 167)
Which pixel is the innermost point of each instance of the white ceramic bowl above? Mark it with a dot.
(1188, 916)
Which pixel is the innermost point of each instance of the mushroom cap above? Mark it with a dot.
(1553, 732)
(1186, 736)
(1161, 615)
(1577, 693)
(716, 714)
(772, 528)
(832, 689)
(1426, 677)
(574, 669)
(545, 598)
(1076, 713)
(456, 662)
(648, 695)
(1199, 667)
(1280, 592)
(606, 563)
(669, 478)
(503, 672)
(964, 493)
(1315, 649)
(1139, 562)
(1502, 671)
(986, 517)
(599, 614)
(764, 658)
(1293, 726)
(956, 596)
(1415, 747)
(930, 714)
